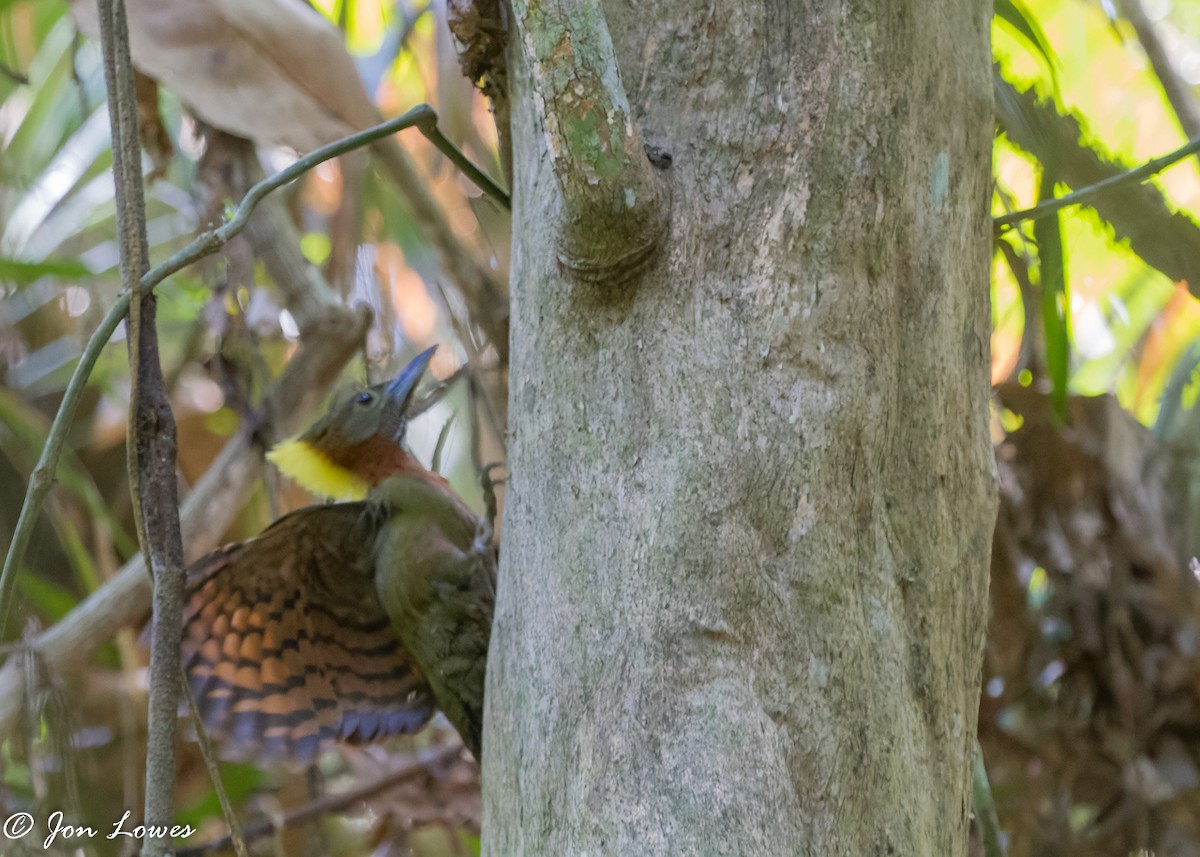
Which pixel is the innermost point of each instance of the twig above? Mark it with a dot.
(205, 244)
(615, 206)
(1178, 91)
(1087, 194)
(429, 127)
(150, 436)
(984, 807)
(208, 754)
(493, 394)
(1029, 356)
(435, 460)
(332, 803)
(437, 392)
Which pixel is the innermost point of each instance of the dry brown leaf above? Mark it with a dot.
(1092, 678)
(273, 71)
(155, 139)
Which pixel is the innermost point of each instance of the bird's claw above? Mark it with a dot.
(486, 527)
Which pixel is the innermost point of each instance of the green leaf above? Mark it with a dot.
(1056, 306)
(82, 564)
(1014, 13)
(50, 600)
(316, 247)
(241, 780)
(18, 273)
(1173, 405)
(25, 432)
(474, 843)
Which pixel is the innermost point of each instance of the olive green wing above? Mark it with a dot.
(439, 587)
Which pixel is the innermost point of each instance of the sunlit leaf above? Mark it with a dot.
(1047, 232)
(1016, 15)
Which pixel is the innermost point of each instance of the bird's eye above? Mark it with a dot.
(364, 398)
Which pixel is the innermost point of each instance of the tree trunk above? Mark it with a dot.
(744, 570)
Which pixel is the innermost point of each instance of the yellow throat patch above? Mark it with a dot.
(308, 467)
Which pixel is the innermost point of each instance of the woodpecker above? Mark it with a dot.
(351, 621)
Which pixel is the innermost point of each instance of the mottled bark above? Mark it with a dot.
(744, 568)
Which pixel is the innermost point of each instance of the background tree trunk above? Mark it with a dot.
(743, 593)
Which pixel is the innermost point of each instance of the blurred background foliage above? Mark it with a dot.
(1090, 711)
(1091, 692)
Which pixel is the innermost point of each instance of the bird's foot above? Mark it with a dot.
(487, 524)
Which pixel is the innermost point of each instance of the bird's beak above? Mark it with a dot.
(400, 388)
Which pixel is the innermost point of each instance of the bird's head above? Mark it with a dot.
(359, 442)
